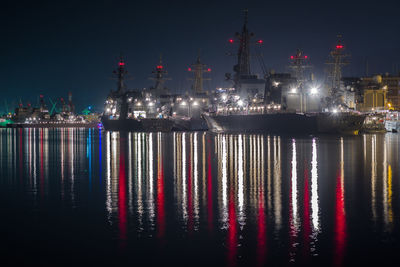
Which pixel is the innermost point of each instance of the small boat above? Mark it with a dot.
(392, 121)
(374, 123)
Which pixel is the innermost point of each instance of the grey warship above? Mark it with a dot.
(129, 110)
(267, 105)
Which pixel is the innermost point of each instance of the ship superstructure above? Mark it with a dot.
(244, 81)
(188, 108)
(336, 61)
(159, 78)
(198, 68)
(130, 110)
(283, 108)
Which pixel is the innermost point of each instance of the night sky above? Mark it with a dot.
(52, 47)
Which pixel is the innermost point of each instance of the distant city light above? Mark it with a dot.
(240, 103)
(231, 41)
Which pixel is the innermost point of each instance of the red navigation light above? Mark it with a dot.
(122, 64)
(231, 41)
(209, 70)
(339, 46)
(260, 41)
(189, 69)
(291, 57)
(305, 57)
(159, 67)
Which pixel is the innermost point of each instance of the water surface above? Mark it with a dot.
(78, 196)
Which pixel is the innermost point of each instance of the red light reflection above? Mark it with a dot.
(340, 221)
(232, 231)
(122, 206)
(262, 234)
(160, 199)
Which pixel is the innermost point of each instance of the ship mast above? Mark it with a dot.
(242, 68)
(198, 69)
(298, 65)
(158, 76)
(337, 60)
(120, 74)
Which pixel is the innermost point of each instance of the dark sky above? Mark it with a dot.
(52, 47)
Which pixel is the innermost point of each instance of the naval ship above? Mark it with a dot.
(269, 105)
(130, 110)
(187, 109)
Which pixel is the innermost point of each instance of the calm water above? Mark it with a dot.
(73, 196)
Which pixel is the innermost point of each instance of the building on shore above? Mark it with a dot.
(378, 92)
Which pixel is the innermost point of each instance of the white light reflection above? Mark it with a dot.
(138, 152)
(72, 164)
(314, 189)
(150, 180)
(294, 187)
(108, 175)
(224, 181)
(269, 188)
(385, 186)
(195, 180)
(241, 211)
(277, 183)
(373, 177)
(183, 180)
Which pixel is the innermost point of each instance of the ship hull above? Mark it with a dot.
(285, 123)
(340, 123)
(269, 123)
(143, 125)
(54, 125)
(190, 124)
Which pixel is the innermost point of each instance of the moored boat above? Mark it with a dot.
(134, 111)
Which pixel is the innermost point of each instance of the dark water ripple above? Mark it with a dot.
(77, 196)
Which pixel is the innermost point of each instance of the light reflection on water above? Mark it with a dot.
(243, 198)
